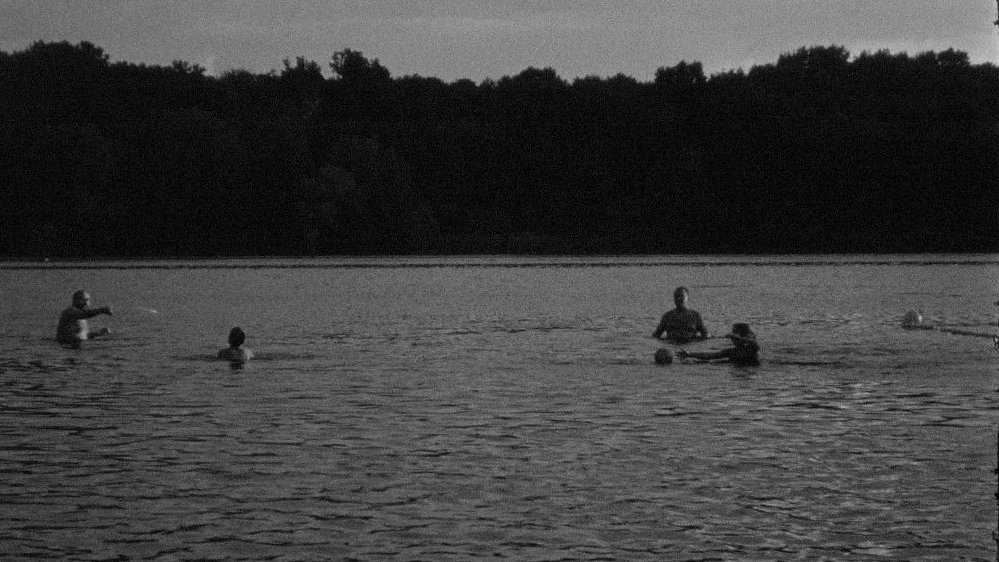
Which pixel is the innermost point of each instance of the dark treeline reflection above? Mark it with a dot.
(819, 152)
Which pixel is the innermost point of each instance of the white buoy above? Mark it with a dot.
(912, 319)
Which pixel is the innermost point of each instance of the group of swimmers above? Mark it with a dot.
(680, 326)
(683, 325)
(74, 329)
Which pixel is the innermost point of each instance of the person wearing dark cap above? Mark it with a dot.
(235, 353)
(745, 351)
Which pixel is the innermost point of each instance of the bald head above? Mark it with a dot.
(81, 299)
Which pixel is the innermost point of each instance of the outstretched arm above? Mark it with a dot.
(91, 312)
(73, 313)
(704, 355)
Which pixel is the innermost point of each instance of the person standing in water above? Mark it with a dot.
(234, 353)
(73, 327)
(681, 325)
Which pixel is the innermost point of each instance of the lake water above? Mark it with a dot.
(459, 408)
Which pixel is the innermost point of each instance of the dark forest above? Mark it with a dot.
(821, 151)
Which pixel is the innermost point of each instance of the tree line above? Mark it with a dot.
(821, 151)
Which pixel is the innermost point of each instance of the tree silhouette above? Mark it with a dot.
(819, 151)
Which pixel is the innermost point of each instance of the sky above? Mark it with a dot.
(479, 39)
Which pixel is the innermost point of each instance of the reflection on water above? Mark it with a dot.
(456, 413)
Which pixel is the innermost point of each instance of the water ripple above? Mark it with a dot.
(530, 425)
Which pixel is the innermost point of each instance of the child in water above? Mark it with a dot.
(234, 353)
(746, 352)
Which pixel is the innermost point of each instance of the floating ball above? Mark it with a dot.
(664, 356)
(912, 319)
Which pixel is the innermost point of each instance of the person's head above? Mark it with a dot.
(680, 297)
(236, 337)
(663, 356)
(912, 319)
(81, 299)
(741, 334)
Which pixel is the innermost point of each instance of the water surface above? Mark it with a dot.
(452, 408)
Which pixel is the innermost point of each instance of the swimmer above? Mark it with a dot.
(744, 353)
(73, 328)
(234, 353)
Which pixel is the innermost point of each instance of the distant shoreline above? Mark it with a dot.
(512, 246)
(496, 260)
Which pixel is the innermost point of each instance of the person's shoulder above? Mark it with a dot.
(230, 354)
